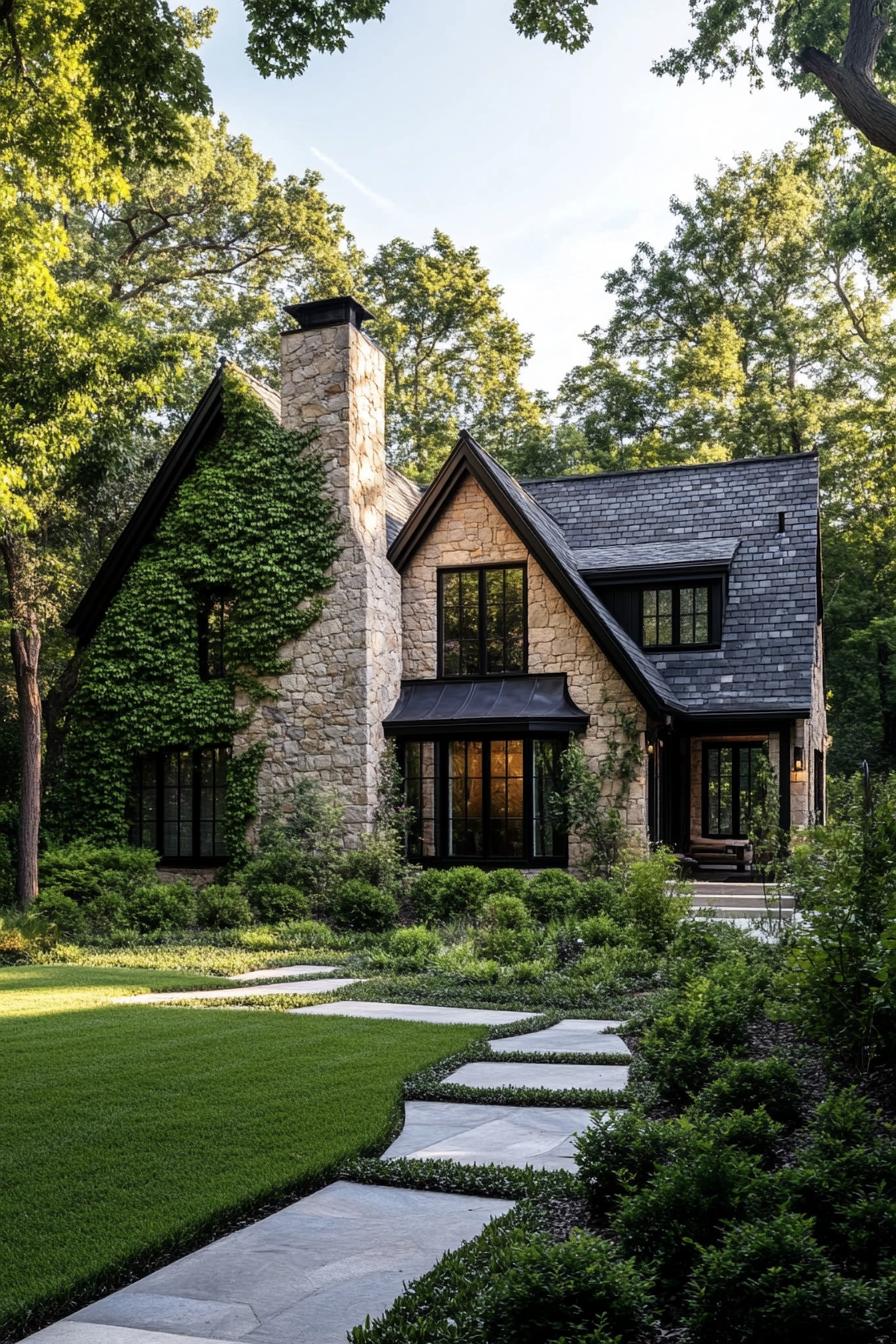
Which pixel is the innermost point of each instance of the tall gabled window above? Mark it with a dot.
(482, 621)
(177, 804)
(214, 610)
(677, 616)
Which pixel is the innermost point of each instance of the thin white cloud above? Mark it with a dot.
(384, 202)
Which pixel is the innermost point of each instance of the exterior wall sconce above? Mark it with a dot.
(799, 763)
(651, 746)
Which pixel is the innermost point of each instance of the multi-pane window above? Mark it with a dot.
(214, 609)
(675, 617)
(178, 801)
(482, 624)
(484, 799)
(730, 772)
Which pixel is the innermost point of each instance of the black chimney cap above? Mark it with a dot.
(328, 313)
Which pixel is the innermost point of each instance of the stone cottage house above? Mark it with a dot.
(482, 622)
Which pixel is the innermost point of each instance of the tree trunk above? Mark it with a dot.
(26, 659)
(851, 80)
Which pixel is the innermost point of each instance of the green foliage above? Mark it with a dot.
(222, 907)
(574, 1290)
(84, 871)
(24, 935)
(233, 526)
(361, 906)
(414, 947)
(748, 1084)
(551, 894)
(600, 931)
(650, 898)
(162, 907)
(841, 971)
(590, 801)
(427, 895)
(507, 882)
(64, 913)
(770, 1280)
(464, 890)
(273, 902)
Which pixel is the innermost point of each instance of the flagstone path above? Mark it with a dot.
(307, 1274)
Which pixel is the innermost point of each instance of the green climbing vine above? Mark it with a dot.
(253, 521)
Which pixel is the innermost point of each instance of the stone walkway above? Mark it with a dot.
(280, 972)
(307, 1274)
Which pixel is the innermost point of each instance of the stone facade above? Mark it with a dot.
(326, 712)
(470, 531)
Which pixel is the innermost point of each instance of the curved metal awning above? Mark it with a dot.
(523, 704)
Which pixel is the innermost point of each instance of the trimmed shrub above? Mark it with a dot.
(222, 907)
(618, 1153)
(360, 906)
(748, 1084)
(273, 902)
(162, 907)
(464, 892)
(506, 882)
(601, 931)
(106, 914)
(506, 912)
(563, 1292)
(60, 909)
(308, 933)
(376, 861)
(507, 934)
(413, 948)
(551, 894)
(596, 896)
(84, 871)
(428, 895)
(769, 1280)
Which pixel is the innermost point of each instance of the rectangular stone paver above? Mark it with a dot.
(572, 1036)
(241, 992)
(86, 1332)
(278, 972)
(474, 1135)
(556, 1077)
(414, 1012)
(305, 1275)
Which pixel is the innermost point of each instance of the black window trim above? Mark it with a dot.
(713, 613)
(737, 832)
(442, 784)
(195, 860)
(441, 572)
(207, 599)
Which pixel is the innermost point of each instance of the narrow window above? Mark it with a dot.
(420, 799)
(482, 621)
(465, 800)
(693, 616)
(656, 623)
(546, 840)
(730, 788)
(214, 610)
(505, 820)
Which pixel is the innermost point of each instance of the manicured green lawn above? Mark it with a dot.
(125, 1132)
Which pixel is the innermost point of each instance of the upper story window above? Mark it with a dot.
(482, 621)
(214, 609)
(675, 616)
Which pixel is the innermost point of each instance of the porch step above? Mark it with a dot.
(736, 899)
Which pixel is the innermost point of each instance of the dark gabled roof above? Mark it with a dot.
(544, 539)
(514, 704)
(661, 557)
(203, 425)
(768, 640)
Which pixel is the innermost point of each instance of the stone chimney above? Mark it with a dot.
(345, 672)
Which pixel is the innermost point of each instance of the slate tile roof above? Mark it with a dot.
(766, 656)
(656, 556)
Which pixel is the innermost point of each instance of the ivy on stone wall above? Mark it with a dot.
(252, 520)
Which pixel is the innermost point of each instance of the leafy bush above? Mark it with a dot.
(428, 895)
(506, 882)
(560, 1292)
(106, 914)
(506, 912)
(618, 1153)
(276, 901)
(550, 895)
(84, 871)
(222, 907)
(22, 935)
(162, 907)
(507, 934)
(280, 864)
(769, 1280)
(596, 896)
(414, 947)
(61, 910)
(365, 908)
(842, 967)
(308, 933)
(375, 861)
(705, 1021)
(748, 1084)
(651, 898)
(601, 931)
(464, 892)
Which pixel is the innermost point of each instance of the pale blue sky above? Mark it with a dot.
(555, 165)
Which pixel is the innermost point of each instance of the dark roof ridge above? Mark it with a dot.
(676, 466)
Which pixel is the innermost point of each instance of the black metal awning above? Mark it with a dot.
(523, 704)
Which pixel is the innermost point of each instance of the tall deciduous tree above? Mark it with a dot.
(765, 327)
(453, 356)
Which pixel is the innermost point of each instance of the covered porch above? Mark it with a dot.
(702, 787)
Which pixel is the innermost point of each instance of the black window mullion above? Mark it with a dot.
(486, 797)
(483, 608)
(528, 802)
